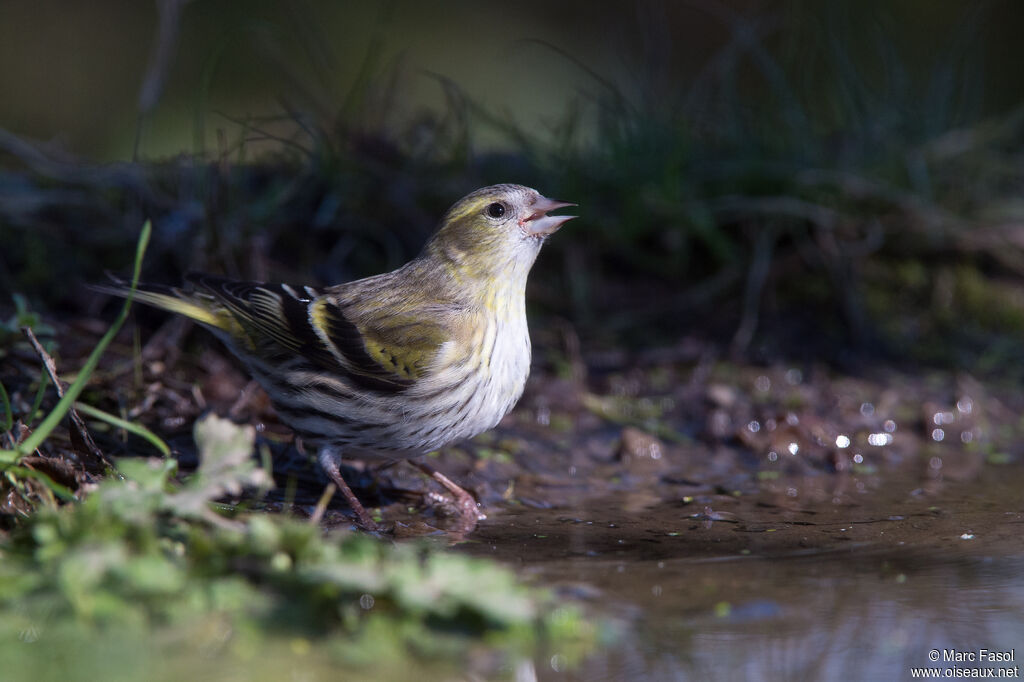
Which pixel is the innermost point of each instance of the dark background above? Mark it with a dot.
(812, 180)
(75, 72)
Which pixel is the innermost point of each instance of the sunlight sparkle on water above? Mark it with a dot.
(965, 405)
(938, 434)
(842, 441)
(793, 448)
(763, 383)
(867, 409)
(879, 439)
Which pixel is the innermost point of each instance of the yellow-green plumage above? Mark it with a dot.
(400, 363)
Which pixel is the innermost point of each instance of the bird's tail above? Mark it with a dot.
(190, 304)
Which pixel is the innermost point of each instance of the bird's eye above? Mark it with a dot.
(496, 210)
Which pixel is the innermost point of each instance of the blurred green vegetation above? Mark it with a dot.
(150, 571)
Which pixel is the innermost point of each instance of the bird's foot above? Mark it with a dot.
(363, 518)
(329, 464)
(465, 506)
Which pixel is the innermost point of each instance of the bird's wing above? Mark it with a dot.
(383, 351)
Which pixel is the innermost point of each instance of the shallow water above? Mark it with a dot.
(750, 588)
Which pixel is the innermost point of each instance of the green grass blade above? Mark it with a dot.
(12, 456)
(74, 390)
(130, 427)
(24, 472)
(44, 381)
(8, 415)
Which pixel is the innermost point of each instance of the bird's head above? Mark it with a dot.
(496, 228)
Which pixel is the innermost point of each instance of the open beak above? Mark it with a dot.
(538, 223)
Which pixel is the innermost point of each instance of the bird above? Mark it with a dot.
(395, 365)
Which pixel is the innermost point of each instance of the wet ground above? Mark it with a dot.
(731, 521)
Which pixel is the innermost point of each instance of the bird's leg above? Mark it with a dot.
(464, 501)
(329, 459)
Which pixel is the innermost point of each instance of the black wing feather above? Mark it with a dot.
(300, 336)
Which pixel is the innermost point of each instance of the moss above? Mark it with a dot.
(150, 563)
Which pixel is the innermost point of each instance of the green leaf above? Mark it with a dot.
(226, 465)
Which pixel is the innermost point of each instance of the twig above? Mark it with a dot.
(321, 505)
(76, 419)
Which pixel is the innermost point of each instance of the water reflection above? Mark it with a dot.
(846, 617)
(782, 583)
